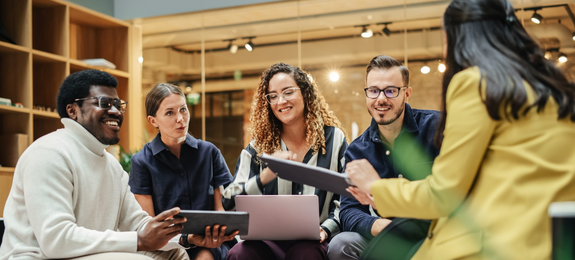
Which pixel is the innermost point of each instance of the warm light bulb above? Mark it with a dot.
(367, 33)
(441, 67)
(425, 69)
(140, 59)
(333, 76)
(562, 59)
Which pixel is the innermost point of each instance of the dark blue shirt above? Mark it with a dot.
(412, 158)
(187, 182)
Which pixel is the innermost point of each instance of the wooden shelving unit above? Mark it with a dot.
(52, 37)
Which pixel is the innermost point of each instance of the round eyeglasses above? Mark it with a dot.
(388, 92)
(106, 103)
(287, 94)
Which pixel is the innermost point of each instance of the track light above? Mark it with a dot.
(441, 67)
(574, 36)
(425, 69)
(536, 18)
(562, 58)
(249, 45)
(385, 31)
(232, 47)
(366, 32)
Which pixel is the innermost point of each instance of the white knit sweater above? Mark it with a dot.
(70, 198)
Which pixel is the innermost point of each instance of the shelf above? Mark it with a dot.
(45, 56)
(4, 109)
(76, 65)
(49, 27)
(48, 74)
(7, 170)
(17, 20)
(45, 114)
(45, 124)
(15, 77)
(6, 47)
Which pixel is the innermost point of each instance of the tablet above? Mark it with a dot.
(199, 219)
(318, 177)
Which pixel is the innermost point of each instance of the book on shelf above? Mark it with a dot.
(100, 63)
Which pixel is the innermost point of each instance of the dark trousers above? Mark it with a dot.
(279, 250)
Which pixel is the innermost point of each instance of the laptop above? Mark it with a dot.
(280, 217)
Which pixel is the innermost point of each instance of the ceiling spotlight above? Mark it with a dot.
(366, 32)
(232, 47)
(425, 69)
(536, 18)
(562, 58)
(574, 36)
(548, 55)
(249, 45)
(386, 31)
(333, 76)
(441, 67)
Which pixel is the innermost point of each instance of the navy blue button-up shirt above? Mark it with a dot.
(187, 182)
(411, 157)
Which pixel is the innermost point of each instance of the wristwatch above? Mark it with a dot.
(184, 241)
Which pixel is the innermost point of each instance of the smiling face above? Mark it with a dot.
(287, 111)
(385, 110)
(103, 124)
(172, 119)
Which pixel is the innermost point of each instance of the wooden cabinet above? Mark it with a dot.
(52, 37)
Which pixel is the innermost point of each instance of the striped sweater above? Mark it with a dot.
(248, 169)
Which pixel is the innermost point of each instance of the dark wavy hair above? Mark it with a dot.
(266, 127)
(487, 34)
(78, 84)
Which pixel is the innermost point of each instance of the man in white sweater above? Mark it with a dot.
(70, 198)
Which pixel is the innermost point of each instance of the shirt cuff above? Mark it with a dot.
(252, 186)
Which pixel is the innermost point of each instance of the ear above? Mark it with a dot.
(407, 93)
(73, 111)
(152, 121)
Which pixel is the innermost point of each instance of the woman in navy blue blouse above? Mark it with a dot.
(178, 170)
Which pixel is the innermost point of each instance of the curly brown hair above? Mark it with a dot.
(266, 127)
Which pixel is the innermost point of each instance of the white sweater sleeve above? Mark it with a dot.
(47, 182)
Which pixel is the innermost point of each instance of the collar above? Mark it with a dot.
(409, 124)
(158, 146)
(84, 137)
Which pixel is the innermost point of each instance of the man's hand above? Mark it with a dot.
(267, 175)
(322, 235)
(213, 238)
(160, 230)
(379, 225)
(362, 174)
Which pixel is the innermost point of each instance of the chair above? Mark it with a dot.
(563, 229)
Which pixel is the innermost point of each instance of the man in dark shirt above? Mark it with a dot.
(398, 143)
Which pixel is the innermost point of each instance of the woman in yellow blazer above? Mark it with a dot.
(508, 147)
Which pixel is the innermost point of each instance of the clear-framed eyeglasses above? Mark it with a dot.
(287, 94)
(389, 92)
(106, 103)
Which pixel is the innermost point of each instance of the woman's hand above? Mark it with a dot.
(267, 175)
(363, 197)
(322, 235)
(361, 174)
(213, 238)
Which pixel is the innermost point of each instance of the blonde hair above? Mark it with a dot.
(266, 128)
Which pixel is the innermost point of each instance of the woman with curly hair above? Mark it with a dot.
(290, 120)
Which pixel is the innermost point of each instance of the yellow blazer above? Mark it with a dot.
(518, 167)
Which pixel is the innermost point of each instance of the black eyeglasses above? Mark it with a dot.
(106, 103)
(389, 92)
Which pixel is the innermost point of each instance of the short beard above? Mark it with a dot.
(393, 119)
